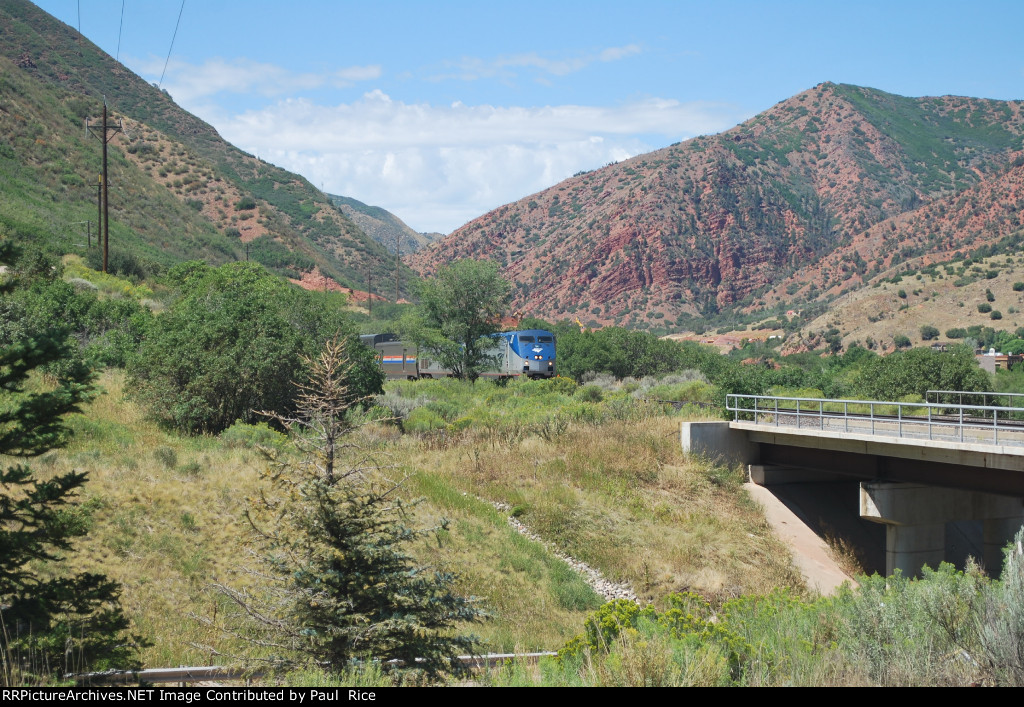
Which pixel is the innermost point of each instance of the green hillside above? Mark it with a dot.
(177, 189)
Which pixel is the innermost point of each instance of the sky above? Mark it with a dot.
(442, 111)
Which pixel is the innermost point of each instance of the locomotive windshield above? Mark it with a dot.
(527, 339)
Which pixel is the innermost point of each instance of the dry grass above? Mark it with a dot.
(167, 521)
(624, 498)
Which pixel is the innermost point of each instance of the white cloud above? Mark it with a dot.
(437, 167)
(189, 83)
(473, 68)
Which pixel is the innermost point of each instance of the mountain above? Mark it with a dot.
(177, 189)
(805, 200)
(383, 226)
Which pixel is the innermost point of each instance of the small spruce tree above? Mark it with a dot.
(336, 540)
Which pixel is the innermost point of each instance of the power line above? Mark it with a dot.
(117, 57)
(169, 49)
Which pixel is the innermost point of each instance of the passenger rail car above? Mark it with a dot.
(528, 353)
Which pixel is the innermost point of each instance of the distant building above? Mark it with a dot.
(993, 361)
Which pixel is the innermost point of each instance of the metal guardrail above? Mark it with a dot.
(985, 424)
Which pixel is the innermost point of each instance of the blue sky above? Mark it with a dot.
(442, 111)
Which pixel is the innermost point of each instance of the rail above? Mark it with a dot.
(984, 424)
(937, 396)
(218, 673)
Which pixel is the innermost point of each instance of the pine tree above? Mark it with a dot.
(51, 623)
(337, 540)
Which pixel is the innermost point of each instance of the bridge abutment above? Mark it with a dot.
(716, 440)
(922, 522)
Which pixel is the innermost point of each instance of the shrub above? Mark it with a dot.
(242, 435)
(423, 420)
(166, 456)
(996, 314)
(901, 341)
(984, 308)
(232, 343)
(929, 332)
(1018, 286)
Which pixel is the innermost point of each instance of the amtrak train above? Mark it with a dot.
(528, 353)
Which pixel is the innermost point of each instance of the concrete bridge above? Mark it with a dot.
(946, 481)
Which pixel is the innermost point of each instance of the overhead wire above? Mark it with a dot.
(117, 57)
(176, 24)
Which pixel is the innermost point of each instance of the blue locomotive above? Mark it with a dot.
(528, 353)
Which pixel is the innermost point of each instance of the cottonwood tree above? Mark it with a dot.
(335, 538)
(459, 308)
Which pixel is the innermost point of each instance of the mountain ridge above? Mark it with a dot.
(707, 227)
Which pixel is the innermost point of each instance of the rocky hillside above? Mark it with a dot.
(383, 226)
(177, 189)
(805, 200)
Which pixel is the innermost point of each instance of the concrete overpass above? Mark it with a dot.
(946, 481)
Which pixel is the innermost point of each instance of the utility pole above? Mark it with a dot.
(369, 289)
(106, 132)
(398, 264)
(99, 208)
(88, 232)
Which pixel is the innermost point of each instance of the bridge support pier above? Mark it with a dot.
(921, 522)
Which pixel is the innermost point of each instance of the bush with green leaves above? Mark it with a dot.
(103, 331)
(231, 344)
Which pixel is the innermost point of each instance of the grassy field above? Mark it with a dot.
(597, 474)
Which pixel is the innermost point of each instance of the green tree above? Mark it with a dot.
(336, 537)
(919, 370)
(232, 343)
(52, 622)
(459, 308)
(928, 332)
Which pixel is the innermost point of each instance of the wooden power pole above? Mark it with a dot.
(398, 265)
(105, 133)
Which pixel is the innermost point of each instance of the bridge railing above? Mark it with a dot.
(1000, 400)
(988, 424)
